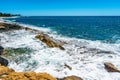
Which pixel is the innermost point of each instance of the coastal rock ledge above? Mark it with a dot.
(48, 41)
(9, 74)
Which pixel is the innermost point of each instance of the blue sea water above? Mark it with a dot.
(103, 28)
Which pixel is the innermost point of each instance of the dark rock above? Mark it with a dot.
(69, 67)
(8, 26)
(110, 67)
(1, 50)
(3, 61)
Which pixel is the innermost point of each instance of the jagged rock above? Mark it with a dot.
(5, 70)
(3, 61)
(28, 76)
(71, 78)
(27, 28)
(69, 67)
(48, 41)
(10, 74)
(110, 67)
(8, 26)
(1, 50)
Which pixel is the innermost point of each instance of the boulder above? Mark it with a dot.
(2, 27)
(49, 41)
(72, 78)
(9, 74)
(110, 67)
(5, 70)
(8, 26)
(1, 50)
(28, 76)
(3, 61)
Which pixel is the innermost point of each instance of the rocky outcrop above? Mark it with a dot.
(2, 27)
(71, 78)
(5, 71)
(9, 74)
(1, 50)
(110, 67)
(49, 41)
(3, 61)
(8, 26)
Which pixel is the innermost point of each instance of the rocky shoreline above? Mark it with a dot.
(10, 74)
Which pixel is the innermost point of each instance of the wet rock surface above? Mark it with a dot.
(8, 26)
(71, 78)
(110, 67)
(3, 61)
(48, 41)
(9, 74)
(1, 50)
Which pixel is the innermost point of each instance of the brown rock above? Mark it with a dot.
(69, 67)
(10, 74)
(72, 78)
(48, 41)
(110, 67)
(28, 76)
(5, 70)
(8, 26)
(2, 27)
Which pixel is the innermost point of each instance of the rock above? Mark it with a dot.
(69, 67)
(1, 50)
(8, 26)
(48, 41)
(3, 61)
(110, 67)
(5, 70)
(9, 74)
(72, 78)
(28, 76)
(2, 27)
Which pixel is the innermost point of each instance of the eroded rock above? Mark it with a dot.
(28, 76)
(1, 50)
(72, 78)
(9, 74)
(3, 61)
(5, 70)
(48, 41)
(8, 26)
(110, 67)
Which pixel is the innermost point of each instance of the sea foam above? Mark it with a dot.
(81, 55)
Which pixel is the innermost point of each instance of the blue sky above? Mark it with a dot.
(61, 7)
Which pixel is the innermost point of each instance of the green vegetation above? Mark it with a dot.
(8, 14)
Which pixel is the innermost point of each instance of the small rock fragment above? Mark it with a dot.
(110, 67)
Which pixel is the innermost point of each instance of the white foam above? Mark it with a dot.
(37, 28)
(89, 66)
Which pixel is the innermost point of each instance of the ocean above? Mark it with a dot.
(103, 28)
(91, 41)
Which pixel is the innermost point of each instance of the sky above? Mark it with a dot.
(61, 7)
